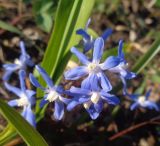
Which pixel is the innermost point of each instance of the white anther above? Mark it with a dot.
(95, 97)
(141, 100)
(52, 96)
(18, 62)
(87, 105)
(23, 101)
(93, 67)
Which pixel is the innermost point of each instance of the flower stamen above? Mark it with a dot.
(52, 96)
(95, 97)
(23, 101)
(87, 105)
(18, 62)
(141, 100)
(93, 67)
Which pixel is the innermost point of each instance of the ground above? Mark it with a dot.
(137, 23)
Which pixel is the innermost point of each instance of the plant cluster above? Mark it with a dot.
(95, 86)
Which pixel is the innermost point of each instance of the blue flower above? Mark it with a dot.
(121, 68)
(52, 93)
(143, 101)
(92, 100)
(88, 40)
(94, 69)
(26, 99)
(18, 64)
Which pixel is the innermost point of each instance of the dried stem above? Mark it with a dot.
(123, 132)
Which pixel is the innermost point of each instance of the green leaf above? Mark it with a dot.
(70, 16)
(7, 134)
(44, 11)
(157, 3)
(46, 22)
(24, 129)
(148, 56)
(9, 27)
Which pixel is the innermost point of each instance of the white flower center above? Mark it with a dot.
(18, 62)
(87, 105)
(52, 96)
(93, 67)
(23, 101)
(141, 100)
(95, 97)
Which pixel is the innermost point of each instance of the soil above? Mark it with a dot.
(137, 23)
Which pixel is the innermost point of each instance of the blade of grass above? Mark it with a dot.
(9, 27)
(24, 129)
(7, 134)
(148, 56)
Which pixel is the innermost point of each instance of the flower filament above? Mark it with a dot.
(18, 62)
(52, 96)
(95, 97)
(23, 101)
(93, 68)
(141, 100)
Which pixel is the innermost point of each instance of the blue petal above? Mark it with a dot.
(13, 102)
(134, 106)
(106, 34)
(86, 83)
(76, 73)
(22, 76)
(105, 83)
(65, 100)
(151, 105)
(99, 106)
(72, 105)
(24, 112)
(35, 82)
(92, 112)
(134, 96)
(148, 94)
(76, 101)
(45, 76)
(43, 101)
(30, 93)
(80, 91)
(7, 75)
(120, 47)
(59, 89)
(30, 96)
(11, 67)
(83, 59)
(13, 89)
(58, 110)
(111, 99)
(98, 50)
(23, 50)
(83, 33)
(122, 72)
(88, 45)
(29, 62)
(93, 81)
(128, 75)
(125, 92)
(30, 117)
(110, 62)
(87, 24)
